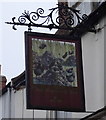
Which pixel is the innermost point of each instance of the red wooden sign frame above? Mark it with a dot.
(54, 72)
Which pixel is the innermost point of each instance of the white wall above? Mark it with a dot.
(93, 62)
(19, 106)
(5, 105)
(93, 65)
(14, 106)
(0, 107)
(105, 61)
(84, 7)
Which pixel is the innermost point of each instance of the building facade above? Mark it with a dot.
(13, 97)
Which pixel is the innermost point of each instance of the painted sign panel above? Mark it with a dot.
(54, 72)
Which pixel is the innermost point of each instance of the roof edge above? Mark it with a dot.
(98, 113)
(87, 25)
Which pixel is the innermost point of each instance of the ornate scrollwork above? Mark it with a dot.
(61, 17)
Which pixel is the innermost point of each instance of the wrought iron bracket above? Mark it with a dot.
(60, 17)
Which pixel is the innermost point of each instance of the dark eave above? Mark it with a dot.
(98, 115)
(18, 81)
(88, 24)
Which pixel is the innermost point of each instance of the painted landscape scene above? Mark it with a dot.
(54, 63)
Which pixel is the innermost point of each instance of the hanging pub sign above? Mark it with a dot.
(54, 72)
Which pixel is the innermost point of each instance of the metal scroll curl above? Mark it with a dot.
(61, 17)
